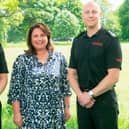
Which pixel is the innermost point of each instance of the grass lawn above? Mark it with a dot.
(122, 89)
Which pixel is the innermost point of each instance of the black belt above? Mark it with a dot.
(85, 89)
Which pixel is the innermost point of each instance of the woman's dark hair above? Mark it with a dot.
(46, 30)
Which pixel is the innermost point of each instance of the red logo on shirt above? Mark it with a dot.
(97, 44)
(118, 60)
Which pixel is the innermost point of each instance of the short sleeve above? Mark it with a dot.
(65, 87)
(114, 54)
(17, 80)
(72, 61)
(3, 64)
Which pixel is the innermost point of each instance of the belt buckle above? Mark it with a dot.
(86, 90)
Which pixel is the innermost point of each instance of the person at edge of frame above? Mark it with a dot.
(3, 77)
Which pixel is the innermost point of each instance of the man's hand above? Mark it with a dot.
(86, 100)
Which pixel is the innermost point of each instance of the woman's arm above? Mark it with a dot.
(17, 118)
(67, 107)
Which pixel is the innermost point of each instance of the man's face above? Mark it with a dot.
(91, 15)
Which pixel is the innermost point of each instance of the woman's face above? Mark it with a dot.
(39, 39)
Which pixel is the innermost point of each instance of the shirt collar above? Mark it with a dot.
(97, 33)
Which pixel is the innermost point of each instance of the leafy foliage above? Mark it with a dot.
(9, 12)
(33, 12)
(16, 16)
(110, 18)
(66, 25)
(112, 23)
(124, 20)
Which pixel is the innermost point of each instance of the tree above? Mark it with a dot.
(66, 25)
(74, 6)
(124, 20)
(110, 19)
(112, 23)
(50, 12)
(9, 12)
(33, 11)
(43, 11)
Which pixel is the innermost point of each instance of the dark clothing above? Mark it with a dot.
(92, 57)
(103, 115)
(3, 69)
(3, 65)
(97, 119)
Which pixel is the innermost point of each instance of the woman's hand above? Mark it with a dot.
(17, 118)
(67, 114)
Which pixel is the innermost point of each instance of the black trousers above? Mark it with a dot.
(0, 115)
(103, 115)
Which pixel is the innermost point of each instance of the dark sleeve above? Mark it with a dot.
(17, 80)
(72, 61)
(3, 64)
(114, 54)
(65, 87)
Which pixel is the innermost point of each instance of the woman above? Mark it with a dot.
(39, 90)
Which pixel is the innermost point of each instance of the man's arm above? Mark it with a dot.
(107, 82)
(3, 81)
(72, 77)
(83, 97)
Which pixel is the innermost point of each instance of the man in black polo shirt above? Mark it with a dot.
(3, 76)
(94, 68)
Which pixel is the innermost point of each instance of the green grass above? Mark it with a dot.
(122, 89)
(7, 118)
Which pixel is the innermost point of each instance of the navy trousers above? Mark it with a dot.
(103, 115)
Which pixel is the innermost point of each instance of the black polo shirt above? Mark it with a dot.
(3, 64)
(93, 56)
